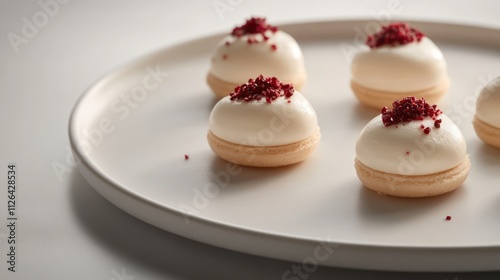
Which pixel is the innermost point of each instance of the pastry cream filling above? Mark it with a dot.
(239, 61)
(405, 149)
(405, 68)
(488, 104)
(258, 123)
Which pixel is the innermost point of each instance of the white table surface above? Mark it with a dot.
(65, 230)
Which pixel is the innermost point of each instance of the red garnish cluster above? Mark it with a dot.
(411, 109)
(254, 25)
(394, 34)
(448, 218)
(269, 88)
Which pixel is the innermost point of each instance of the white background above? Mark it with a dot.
(65, 229)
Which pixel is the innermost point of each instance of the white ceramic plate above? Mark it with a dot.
(132, 129)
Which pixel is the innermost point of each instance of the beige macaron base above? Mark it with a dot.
(489, 134)
(263, 156)
(378, 99)
(413, 186)
(222, 88)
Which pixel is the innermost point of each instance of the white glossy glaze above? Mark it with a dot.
(239, 61)
(488, 104)
(404, 68)
(407, 150)
(257, 123)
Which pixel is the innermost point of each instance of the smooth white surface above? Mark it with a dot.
(67, 229)
(240, 61)
(138, 164)
(258, 123)
(488, 103)
(404, 149)
(400, 69)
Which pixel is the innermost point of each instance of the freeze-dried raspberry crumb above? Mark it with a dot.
(255, 25)
(411, 109)
(269, 88)
(397, 33)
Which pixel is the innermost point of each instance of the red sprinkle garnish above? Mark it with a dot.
(227, 43)
(407, 152)
(448, 218)
(269, 88)
(254, 25)
(411, 109)
(397, 33)
(274, 47)
(186, 157)
(224, 57)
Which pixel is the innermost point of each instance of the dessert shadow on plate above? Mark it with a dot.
(489, 154)
(248, 173)
(398, 209)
